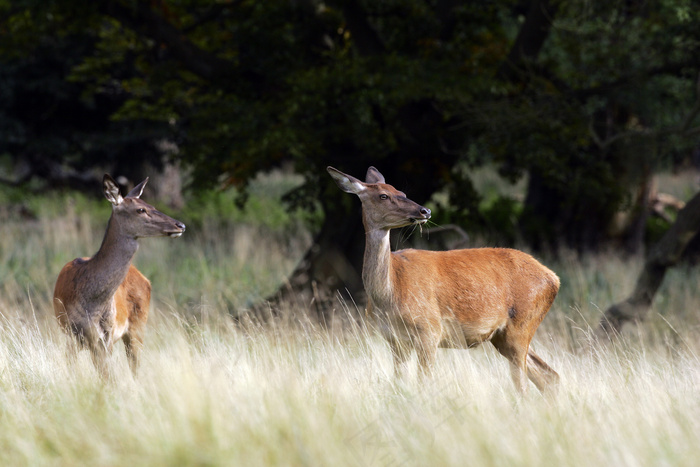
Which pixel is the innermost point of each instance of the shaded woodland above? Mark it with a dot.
(584, 100)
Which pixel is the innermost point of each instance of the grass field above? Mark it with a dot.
(293, 393)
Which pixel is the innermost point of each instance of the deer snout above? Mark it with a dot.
(179, 232)
(424, 216)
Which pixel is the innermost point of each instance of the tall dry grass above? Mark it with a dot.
(211, 392)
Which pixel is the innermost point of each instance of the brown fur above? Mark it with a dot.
(102, 299)
(132, 302)
(460, 298)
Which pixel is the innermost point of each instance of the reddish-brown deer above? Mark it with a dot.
(459, 298)
(102, 299)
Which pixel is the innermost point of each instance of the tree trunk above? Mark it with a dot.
(332, 264)
(663, 255)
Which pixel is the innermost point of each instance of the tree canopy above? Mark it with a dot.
(585, 99)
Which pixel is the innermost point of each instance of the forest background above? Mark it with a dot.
(559, 127)
(582, 102)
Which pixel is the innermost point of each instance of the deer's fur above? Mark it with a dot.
(459, 298)
(102, 299)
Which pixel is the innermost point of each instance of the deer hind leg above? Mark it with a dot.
(544, 377)
(515, 351)
(541, 374)
(137, 302)
(74, 342)
(133, 343)
(518, 374)
(71, 351)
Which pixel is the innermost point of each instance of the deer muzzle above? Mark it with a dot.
(177, 233)
(423, 217)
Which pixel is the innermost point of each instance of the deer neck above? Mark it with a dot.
(376, 268)
(109, 266)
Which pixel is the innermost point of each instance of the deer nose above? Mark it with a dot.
(425, 212)
(180, 226)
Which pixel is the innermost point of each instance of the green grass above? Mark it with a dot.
(210, 392)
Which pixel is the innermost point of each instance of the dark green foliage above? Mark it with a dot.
(49, 121)
(416, 88)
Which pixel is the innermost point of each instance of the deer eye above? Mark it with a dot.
(141, 210)
(383, 196)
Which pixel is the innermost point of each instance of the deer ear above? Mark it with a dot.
(111, 190)
(345, 182)
(137, 190)
(373, 176)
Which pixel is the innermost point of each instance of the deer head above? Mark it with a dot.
(135, 217)
(383, 206)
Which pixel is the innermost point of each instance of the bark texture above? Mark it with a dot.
(663, 255)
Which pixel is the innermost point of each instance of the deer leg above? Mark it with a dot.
(100, 349)
(426, 348)
(71, 351)
(544, 377)
(519, 376)
(516, 353)
(401, 351)
(99, 359)
(133, 343)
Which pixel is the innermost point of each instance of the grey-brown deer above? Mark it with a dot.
(102, 299)
(458, 298)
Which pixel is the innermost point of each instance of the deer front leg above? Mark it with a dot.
(401, 351)
(426, 348)
(100, 344)
(99, 359)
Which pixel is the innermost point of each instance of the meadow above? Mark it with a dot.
(212, 390)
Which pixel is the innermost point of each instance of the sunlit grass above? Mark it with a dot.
(214, 391)
(294, 395)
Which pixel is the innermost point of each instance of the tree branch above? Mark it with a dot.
(663, 255)
(683, 128)
(668, 68)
